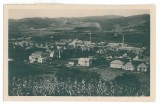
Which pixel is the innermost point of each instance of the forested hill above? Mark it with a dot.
(105, 23)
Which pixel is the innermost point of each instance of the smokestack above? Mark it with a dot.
(90, 37)
(123, 40)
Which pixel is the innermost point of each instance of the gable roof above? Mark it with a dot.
(142, 65)
(84, 59)
(117, 62)
(128, 65)
(40, 54)
(125, 55)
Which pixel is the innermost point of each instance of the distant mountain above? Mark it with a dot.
(137, 22)
(110, 23)
(36, 22)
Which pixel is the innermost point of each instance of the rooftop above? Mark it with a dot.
(117, 62)
(84, 59)
(142, 65)
(129, 65)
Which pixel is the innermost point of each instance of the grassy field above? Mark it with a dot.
(48, 80)
(107, 74)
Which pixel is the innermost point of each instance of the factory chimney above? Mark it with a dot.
(122, 39)
(90, 38)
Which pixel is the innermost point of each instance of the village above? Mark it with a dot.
(85, 53)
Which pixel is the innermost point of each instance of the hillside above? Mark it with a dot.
(102, 27)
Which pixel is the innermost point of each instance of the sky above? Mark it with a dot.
(28, 13)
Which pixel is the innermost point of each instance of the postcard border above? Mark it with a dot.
(152, 9)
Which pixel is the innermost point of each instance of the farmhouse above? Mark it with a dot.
(116, 64)
(128, 66)
(38, 56)
(84, 62)
(142, 67)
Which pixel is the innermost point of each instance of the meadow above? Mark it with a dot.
(24, 80)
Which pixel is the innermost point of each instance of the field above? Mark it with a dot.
(47, 80)
(108, 74)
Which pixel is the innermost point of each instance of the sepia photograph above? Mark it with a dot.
(79, 52)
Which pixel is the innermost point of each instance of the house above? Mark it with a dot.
(52, 54)
(31, 44)
(136, 58)
(87, 43)
(31, 59)
(109, 57)
(84, 62)
(128, 66)
(116, 64)
(102, 43)
(125, 55)
(142, 67)
(120, 57)
(48, 50)
(72, 62)
(38, 56)
(29, 47)
(42, 60)
(85, 48)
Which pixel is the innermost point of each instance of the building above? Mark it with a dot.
(24, 43)
(134, 49)
(52, 54)
(38, 56)
(136, 58)
(120, 57)
(125, 55)
(85, 62)
(75, 42)
(142, 67)
(128, 66)
(87, 43)
(116, 64)
(48, 50)
(72, 62)
(115, 44)
(42, 60)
